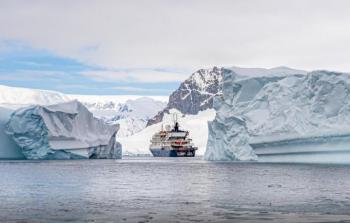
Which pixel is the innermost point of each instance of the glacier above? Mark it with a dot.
(62, 131)
(287, 116)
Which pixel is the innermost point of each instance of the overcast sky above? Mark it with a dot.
(148, 47)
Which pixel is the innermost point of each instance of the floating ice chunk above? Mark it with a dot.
(62, 131)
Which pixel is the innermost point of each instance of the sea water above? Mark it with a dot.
(172, 190)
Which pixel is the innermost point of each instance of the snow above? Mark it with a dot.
(15, 97)
(129, 126)
(117, 99)
(195, 124)
(8, 148)
(132, 116)
(290, 107)
(131, 112)
(25, 96)
(122, 106)
(204, 78)
(62, 131)
(259, 72)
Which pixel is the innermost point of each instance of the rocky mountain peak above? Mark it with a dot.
(194, 94)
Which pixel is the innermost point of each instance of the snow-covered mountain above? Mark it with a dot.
(130, 111)
(270, 109)
(194, 94)
(111, 103)
(133, 115)
(197, 92)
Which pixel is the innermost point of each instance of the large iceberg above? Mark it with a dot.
(286, 115)
(62, 131)
(8, 148)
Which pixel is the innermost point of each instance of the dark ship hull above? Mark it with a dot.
(172, 153)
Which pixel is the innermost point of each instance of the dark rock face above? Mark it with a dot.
(195, 94)
(158, 118)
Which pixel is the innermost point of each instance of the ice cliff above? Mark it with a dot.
(269, 109)
(8, 148)
(62, 131)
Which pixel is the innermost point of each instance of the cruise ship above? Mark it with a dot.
(172, 142)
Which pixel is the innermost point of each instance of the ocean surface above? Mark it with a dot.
(172, 190)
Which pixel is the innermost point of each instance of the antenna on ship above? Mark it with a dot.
(176, 124)
(175, 118)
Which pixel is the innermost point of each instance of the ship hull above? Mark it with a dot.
(170, 153)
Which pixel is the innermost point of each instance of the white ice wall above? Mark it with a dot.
(8, 148)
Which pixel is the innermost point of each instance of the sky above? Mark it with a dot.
(148, 47)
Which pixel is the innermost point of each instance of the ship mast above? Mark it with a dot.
(176, 124)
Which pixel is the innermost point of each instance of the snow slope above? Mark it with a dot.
(195, 124)
(62, 131)
(131, 112)
(295, 106)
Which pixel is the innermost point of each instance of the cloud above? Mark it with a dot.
(187, 34)
(136, 75)
(34, 75)
(137, 89)
(74, 86)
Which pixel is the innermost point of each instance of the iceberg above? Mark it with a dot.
(282, 118)
(227, 135)
(62, 131)
(8, 148)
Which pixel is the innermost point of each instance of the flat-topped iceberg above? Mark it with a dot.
(62, 131)
(255, 115)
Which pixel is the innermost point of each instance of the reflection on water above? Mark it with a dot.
(172, 190)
